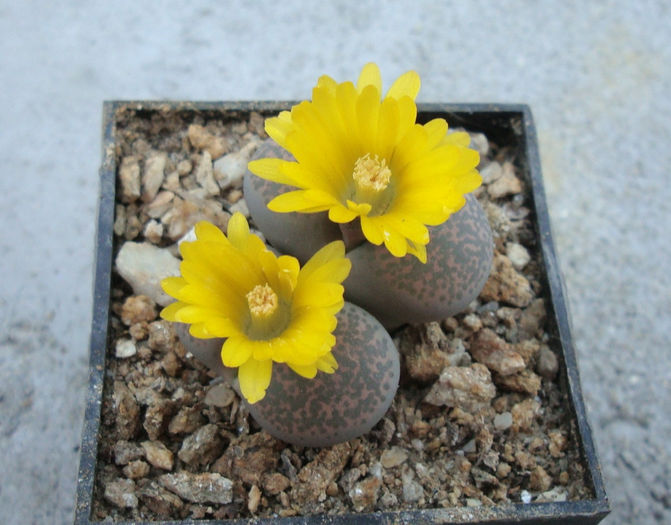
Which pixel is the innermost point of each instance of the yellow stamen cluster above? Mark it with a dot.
(262, 301)
(371, 173)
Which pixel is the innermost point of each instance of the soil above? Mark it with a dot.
(481, 416)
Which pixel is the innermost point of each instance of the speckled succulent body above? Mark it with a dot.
(402, 290)
(332, 408)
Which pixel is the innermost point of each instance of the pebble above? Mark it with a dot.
(202, 447)
(129, 177)
(532, 318)
(253, 499)
(184, 167)
(274, 483)
(524, 413)
(518, 255)
(506, 184)
(540, 481)
(316, 476)
(125, 348)
(199, 488)
(187, 420)
(491, 172)
(412, 491)
(229, 169)
(425, 363)
(202, 139)
(157, 416)
(467, 387)
(136, 309)
(158, 454)
(152, 176)
(160, 205)
(205, 175)
(365, 493)
(127, 411)
(153, 231)
(525, 497)
(143, 265)
(121, 492)
(506, 284)
(503, 421)
(393, 457)
(480, 143)
(240, 206)
(126, 451)
(161, 335)
(159, 500)
(525, 381)
(220, 395)
(136, 469)
(547, 365)
(492, 351)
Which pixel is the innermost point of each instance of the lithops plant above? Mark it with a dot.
(264, 315)
(363, 163)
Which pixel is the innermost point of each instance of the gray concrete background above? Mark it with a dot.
(596, 74)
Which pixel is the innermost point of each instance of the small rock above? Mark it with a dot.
(143, 266)
(314, 477)
(364, 494)
(126, 451)
(248, 459)
(157, 416)
(528, 350)
(187, 420)
(158, 454)
(466, 387)
(491, 172)
(503, 470)
(388, 499)
(479, 143)
(472, 322)
(153, 231)
(199, 488)
(202, 447)
(136, 469)
(205, 175)
(159, 500)
(129, 177)
(525, 497)
(493, 352)
(412, 491)
(119, 220)
(274, 483)
(121, 492)
(253, 499)
(257, 123)
(220, 395)
(503, 421)
(525, 381)
(229, 169)
(506, 284)
(184, 214)
(393, 457)
(506, 184)
(524, 413)
(171, 364)
(160, 205)
(127, 411)
(547, 365)
(152, 176)
(425, 364)
(125, 348)
(184, 167)
(161, 335)
(557, 444)
(202, 139)
(518, 255)
(540, 481)
(532, 318)
(138, 308)
(554, 495)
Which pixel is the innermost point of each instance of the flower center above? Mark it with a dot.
(371, 173)
(262, 301)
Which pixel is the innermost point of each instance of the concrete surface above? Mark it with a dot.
(596, 74)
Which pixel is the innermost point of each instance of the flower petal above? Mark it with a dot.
(327, 363)
(235, 351)
(271, 169)
(370, 76)
(341, 215)
(307, 201)
(254, 377)
(308, 371)
(407, 84)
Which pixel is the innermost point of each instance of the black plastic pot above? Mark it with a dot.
(511, 125)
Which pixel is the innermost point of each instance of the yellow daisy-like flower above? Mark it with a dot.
(360, 155)
(267, 307)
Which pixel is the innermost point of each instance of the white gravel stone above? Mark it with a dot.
(152, 176)
(229, 169)
(125, 348)
(518, 255)
(205, 174)
(143, 265)
(503, 421)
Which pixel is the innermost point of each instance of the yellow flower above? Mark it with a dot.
(267, 307)
(360, 155)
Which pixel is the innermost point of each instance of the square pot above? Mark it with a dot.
(509, 125)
